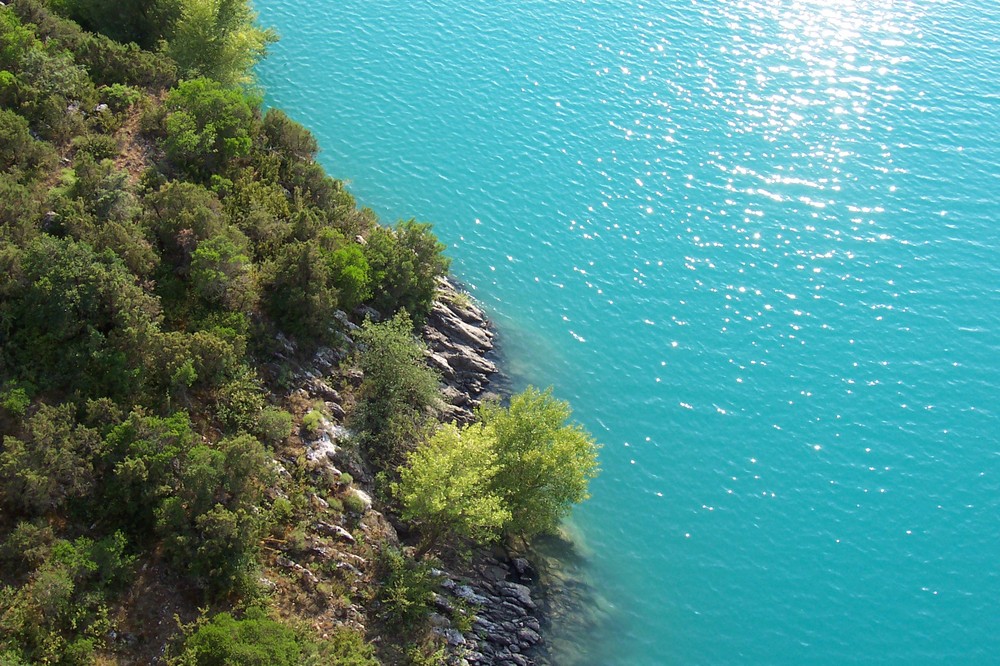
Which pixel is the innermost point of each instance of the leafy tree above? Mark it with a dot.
(544, 462)
(221, 274)
(405, 262)
(102, 188)
(299, 293)
(207, 126)
(397, 392)
(253, 640)
(445, 488)
(180, 215)
(211, 522)
(56, 615)
(74, 324)
(406, 591)
(20, 152)
(50, 464)
(140, 462)
(219, 39)
(141, 21)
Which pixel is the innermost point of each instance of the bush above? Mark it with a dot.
(312, 422)
(274, 425)
(407, 590)
(405, 265)
(254, 640)
(348, 648)
(396, 393)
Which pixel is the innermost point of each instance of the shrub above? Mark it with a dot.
(346, 647)
(354, 504)
(312, 422)
(397, 390)
(407, 589)
(274, 425)
(253, 640)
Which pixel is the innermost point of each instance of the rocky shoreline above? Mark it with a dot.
(507, 624)
(496, 595)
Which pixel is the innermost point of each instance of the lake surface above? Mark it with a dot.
(757, 245)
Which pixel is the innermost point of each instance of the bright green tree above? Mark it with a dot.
(219, 39)
(544, 461)
(445, 488)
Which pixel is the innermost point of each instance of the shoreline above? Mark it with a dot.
(502, 589)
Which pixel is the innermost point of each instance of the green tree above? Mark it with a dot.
(397, 392)
(212, 522)
(74, 324)
(50, 464)
(221, 274)
(253, 640)
(299, 294)
(544, 461)
(405, 262)
(446, 487)
(219, 39)
(207, 127)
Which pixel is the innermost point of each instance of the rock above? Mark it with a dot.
(322, 449)
(524, 569)
(454, 397)
(465, 358)
(466, 593)
(334, 530)
(321, 389)
(336, 411)
(354, 377)
(518, 592)
(453, 636)
(528, 637)
(438, 620)
(440, 363)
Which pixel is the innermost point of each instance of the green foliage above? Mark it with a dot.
(141, 21)
(253, 640)
(397, 392)
(222, 274)
(299, 293)
(346, 647)
(50, 464)
(311, 422)
(14, 399)
(219, 39)
(207, 127)
(406, 592)
(20, 153)
(59, 614)
(273, 426)
(74, 324)
(141, 462)
(211, 525)
(445, 488)
(545, 462)
(99, 185)
(405, 263)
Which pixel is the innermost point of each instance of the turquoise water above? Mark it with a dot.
(756, 244)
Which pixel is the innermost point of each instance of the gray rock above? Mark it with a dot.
(528, 637)
(334, 530)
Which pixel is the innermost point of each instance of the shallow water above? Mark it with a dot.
(755, 243)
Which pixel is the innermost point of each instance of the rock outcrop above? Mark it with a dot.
(460, 343)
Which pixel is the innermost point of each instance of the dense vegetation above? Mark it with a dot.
(163, 239)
